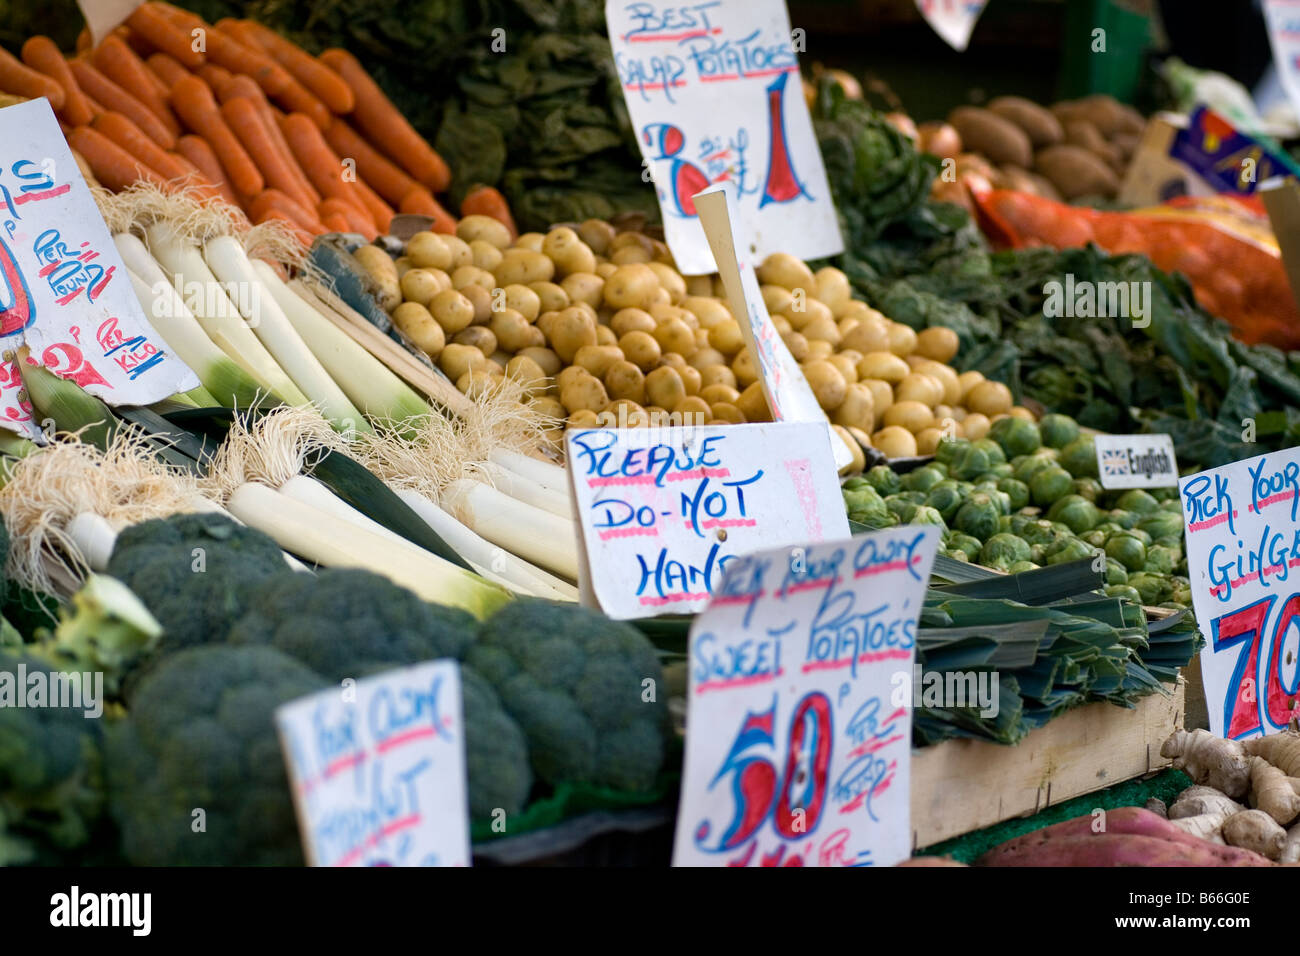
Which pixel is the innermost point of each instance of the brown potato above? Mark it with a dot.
(726, 413)
(641, 349)
(584, 391)
(597, 359)
(456, 360)
(1042, 128)
(1001, 140)
(753, 403)
(584, 287)
(632, 320)
(631, 255)
(452, 310)
(631, 286)
(426, 250)
(528, 374)
(486, 256)
(479, 336)
(719, 374)
(675, 335)
(597, 234)
(420, 285)
(522, 265)
(569, 253)
(625, 380)
(664, 386)
(548, 360)
(420, 327)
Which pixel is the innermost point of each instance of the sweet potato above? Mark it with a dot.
(1116, 849)
(983, 132)
(1104, 112)
(1076, 172)
(1042, 128)
(926, 861)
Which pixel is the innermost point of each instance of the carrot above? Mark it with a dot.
(324, 83)
(40, 53)
(484, 200)
(421, 202)
(153, 24)
(113, 166)
(166, 68)
(356, 221)
(199, 110)
(196, 150)
(23, 80)
(108, 95)
(119, 63)
(226, 51)
(124, 133)
(337, 223)
(318, 162)
(246, 123)
(389, 181)
(380, 120)
(245, 87)
(275, 199)
(138, 44)
(215, 76)
(84, 40)
(302, 235)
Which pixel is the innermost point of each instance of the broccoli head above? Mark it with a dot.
(107, 629)
(194, 572)
(496, 753)
(51, 792)
(195, 773)
(350, 623)
(575, 682)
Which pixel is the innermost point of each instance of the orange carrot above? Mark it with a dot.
(113, 166)
(302, 235)
(356, 220)
(484, 200)
(194, 102)
(166, 68)
(215, 76)
(23, 80)
(84, 42)
(40, 53)
(389, 181)
(317, 160)
(421, 202)
(380, 211)
(245, 87)
(194, 176)
(138, 44)
(119, 63)
(246, 123)
(124, 133)
(275, 199)
(324, 83)
(337, 223)
(225, 50)
(153, 24)
(108, 95)
(380, 120)
(197, 151)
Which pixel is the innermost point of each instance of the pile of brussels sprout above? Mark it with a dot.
(1027, 495)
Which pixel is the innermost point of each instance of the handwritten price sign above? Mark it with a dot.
(663, 512)
(1243, 552)
(799, 706)
(714, 93)
(378, 770)
(64, 291)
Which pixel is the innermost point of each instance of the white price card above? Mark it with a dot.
(378, 769)
(799, 720)
(663, 512)
(714, 93)
(1243, 559)
(1136, 461)
(788, 394)
(953, 20)
(64, 291)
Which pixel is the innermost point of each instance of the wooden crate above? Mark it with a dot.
(964, 785)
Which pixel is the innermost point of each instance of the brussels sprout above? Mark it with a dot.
(1000, 471)
(1135, 499)
(1019, 522)
(1094, 537)
(1162, 524)
(884, 479)
(978, 517)
(1124, 519)
(1125, 592)
(1021, 566)
(1173, 506)
(945, 498)
(1032, 465)
(1128, 550)
(970, 463)
(941, 468)
(1079, 458)
(1115, 572)
(961, 556)
(924, 514)
(1153, 588)
(1016, 436)
(922, 479)
(1143, 536)
(1164, 494)
(950, 449)
(1069, 549)
(1075, 512)
(1003, 550)
(865, 505)
(1039, 532)
(1174, 543)
(1108, 527)
(1016, 491)
(1160, 560)
(1004, 523)
(1049, 484)
(964, 543)
(1062, 530)
(915, 497)
(1181, 594)
(854, 483)
(1089, 488)
(1058, 430)
(901, 508)
(991, 448)
(1037, 553)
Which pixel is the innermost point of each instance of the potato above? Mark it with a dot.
(569, 331)
(664, 386)
(702, 340)
(420, 327)
(403, 264)
(605, 336)
(420, 285)
(869, 335)
(632, 320)
(695, 407)
(527, 373)
(675, 336)
(690, 379)
(567, 250)
(859, 459)
(485, 255)
(827, 383)
(945, 376)
(796, 343)
(1039, 124)
(937, 343)
(719, 374)
(820, 349)
(847, 365)
(479, 383)
(631, 286)
(1019, 411)
(999, 139)
(753, 403)
(605, 269)
(894, 442)
(631, 255)
(514, 332)
(914, 416)
(467, 274)
(524, 266)
(381, 273)
(546, 404)
(597, 359)
(726, 337)
(743, 365)
(719, 392)
(625, 413)
(551, 297)
(858, 408)
(822, 328)
(917, 387)
(710, 311)
(624, 380)
(782, 324)
(927, 440)
(483, 229)
(547, 359)
(833, 288)
(456, 360)
(518, 297)
(699, 286)
(902, 339)
(583, 391)
(452, 310)
(641, 349)
(787, 271)
(479, 336)
(583, 418)
(481, 299)
(803, 309)
(721, 412)
(885, 366)
(703, 358)
(673, 360)
(671, 280)
(584, 287)
(969, 380)
(426, 250)
(988, 398)
(597, 234)
(1076, 172)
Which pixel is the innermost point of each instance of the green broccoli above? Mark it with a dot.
(577, 684)
(107, 629)
(496, 753)
(195, 572)
(350, 623)
(195, 773)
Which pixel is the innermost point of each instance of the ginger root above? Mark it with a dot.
(1281, 750)
(1207, 826)
(1270, 791)
(1197, 801)
(1255, 830)
(1210, 760)
(1157, 806)
(1291, 848)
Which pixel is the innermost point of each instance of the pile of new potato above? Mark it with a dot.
(595, 321)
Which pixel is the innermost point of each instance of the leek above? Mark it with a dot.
(94, 538)
(529, 492)
(549, 476)
(532, 533)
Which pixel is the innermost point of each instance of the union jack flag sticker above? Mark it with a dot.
(1114, 462)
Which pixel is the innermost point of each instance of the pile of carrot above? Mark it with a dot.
(242, 114)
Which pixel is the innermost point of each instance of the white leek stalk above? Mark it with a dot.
(94, 538)
(529, 492)
(552, 477)
(536, 535)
